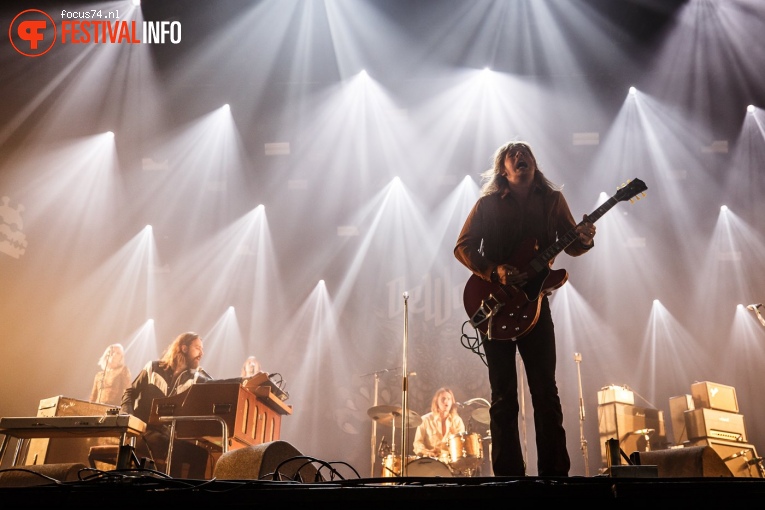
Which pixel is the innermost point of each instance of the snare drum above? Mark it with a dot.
(427, 466)
(465, 451)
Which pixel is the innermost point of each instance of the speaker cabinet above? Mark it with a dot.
(688, 462)
(276, 460)
(628, 424)
(714, 396)
(66, 450)
(677, 407)
(741, 458)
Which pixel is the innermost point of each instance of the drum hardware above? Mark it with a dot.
(392, 416)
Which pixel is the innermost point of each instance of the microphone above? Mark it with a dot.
(459, 404)
(753, 307)
(383, 450)
(201, 373)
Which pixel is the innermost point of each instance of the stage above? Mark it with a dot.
(131, 489)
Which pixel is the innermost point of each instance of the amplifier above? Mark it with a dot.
(710, 423)
(714, 396)
(741, 458)
(615, 394)
(635, 428)
(677, 407)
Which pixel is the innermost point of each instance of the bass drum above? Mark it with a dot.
(427, 466)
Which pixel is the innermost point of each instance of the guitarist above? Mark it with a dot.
(518, 203)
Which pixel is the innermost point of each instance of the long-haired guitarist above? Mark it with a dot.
(519, 212)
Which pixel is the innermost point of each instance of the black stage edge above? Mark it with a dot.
(132, 489)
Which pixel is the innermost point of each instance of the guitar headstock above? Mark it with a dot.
(631, 189)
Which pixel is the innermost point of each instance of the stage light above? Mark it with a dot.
(633, 91)
(136, 3)
(750, 108)
(723, 208)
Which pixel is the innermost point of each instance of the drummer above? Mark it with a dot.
(432, 435)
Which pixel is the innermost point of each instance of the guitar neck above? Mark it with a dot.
(542, 260)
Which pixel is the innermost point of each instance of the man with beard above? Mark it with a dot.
(519, 204)
(174, 373)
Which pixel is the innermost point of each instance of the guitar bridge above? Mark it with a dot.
(488, 309)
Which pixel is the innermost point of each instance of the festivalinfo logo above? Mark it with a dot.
(33, 32)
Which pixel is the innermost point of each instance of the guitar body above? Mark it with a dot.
(511, 311)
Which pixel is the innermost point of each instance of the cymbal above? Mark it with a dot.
(481, 415)
(387, 415)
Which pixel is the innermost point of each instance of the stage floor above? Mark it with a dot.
(132, 489)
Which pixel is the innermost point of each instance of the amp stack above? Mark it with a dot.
(710, 416)
(636, 428)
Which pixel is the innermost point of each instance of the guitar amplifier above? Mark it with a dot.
(714, 396)
(677, 407)
(618, 394)
(710, 423)
(66, 450)
(627, 424)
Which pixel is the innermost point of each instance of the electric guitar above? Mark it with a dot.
(507, 312)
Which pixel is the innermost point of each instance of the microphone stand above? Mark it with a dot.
(583, 441)
(522, 393)
(405, 390)
(756, 309)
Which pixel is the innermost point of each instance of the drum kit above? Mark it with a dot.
(463, 456)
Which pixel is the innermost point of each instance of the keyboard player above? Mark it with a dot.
(176, 371)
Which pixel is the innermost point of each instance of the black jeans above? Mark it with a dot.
(537, 350)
